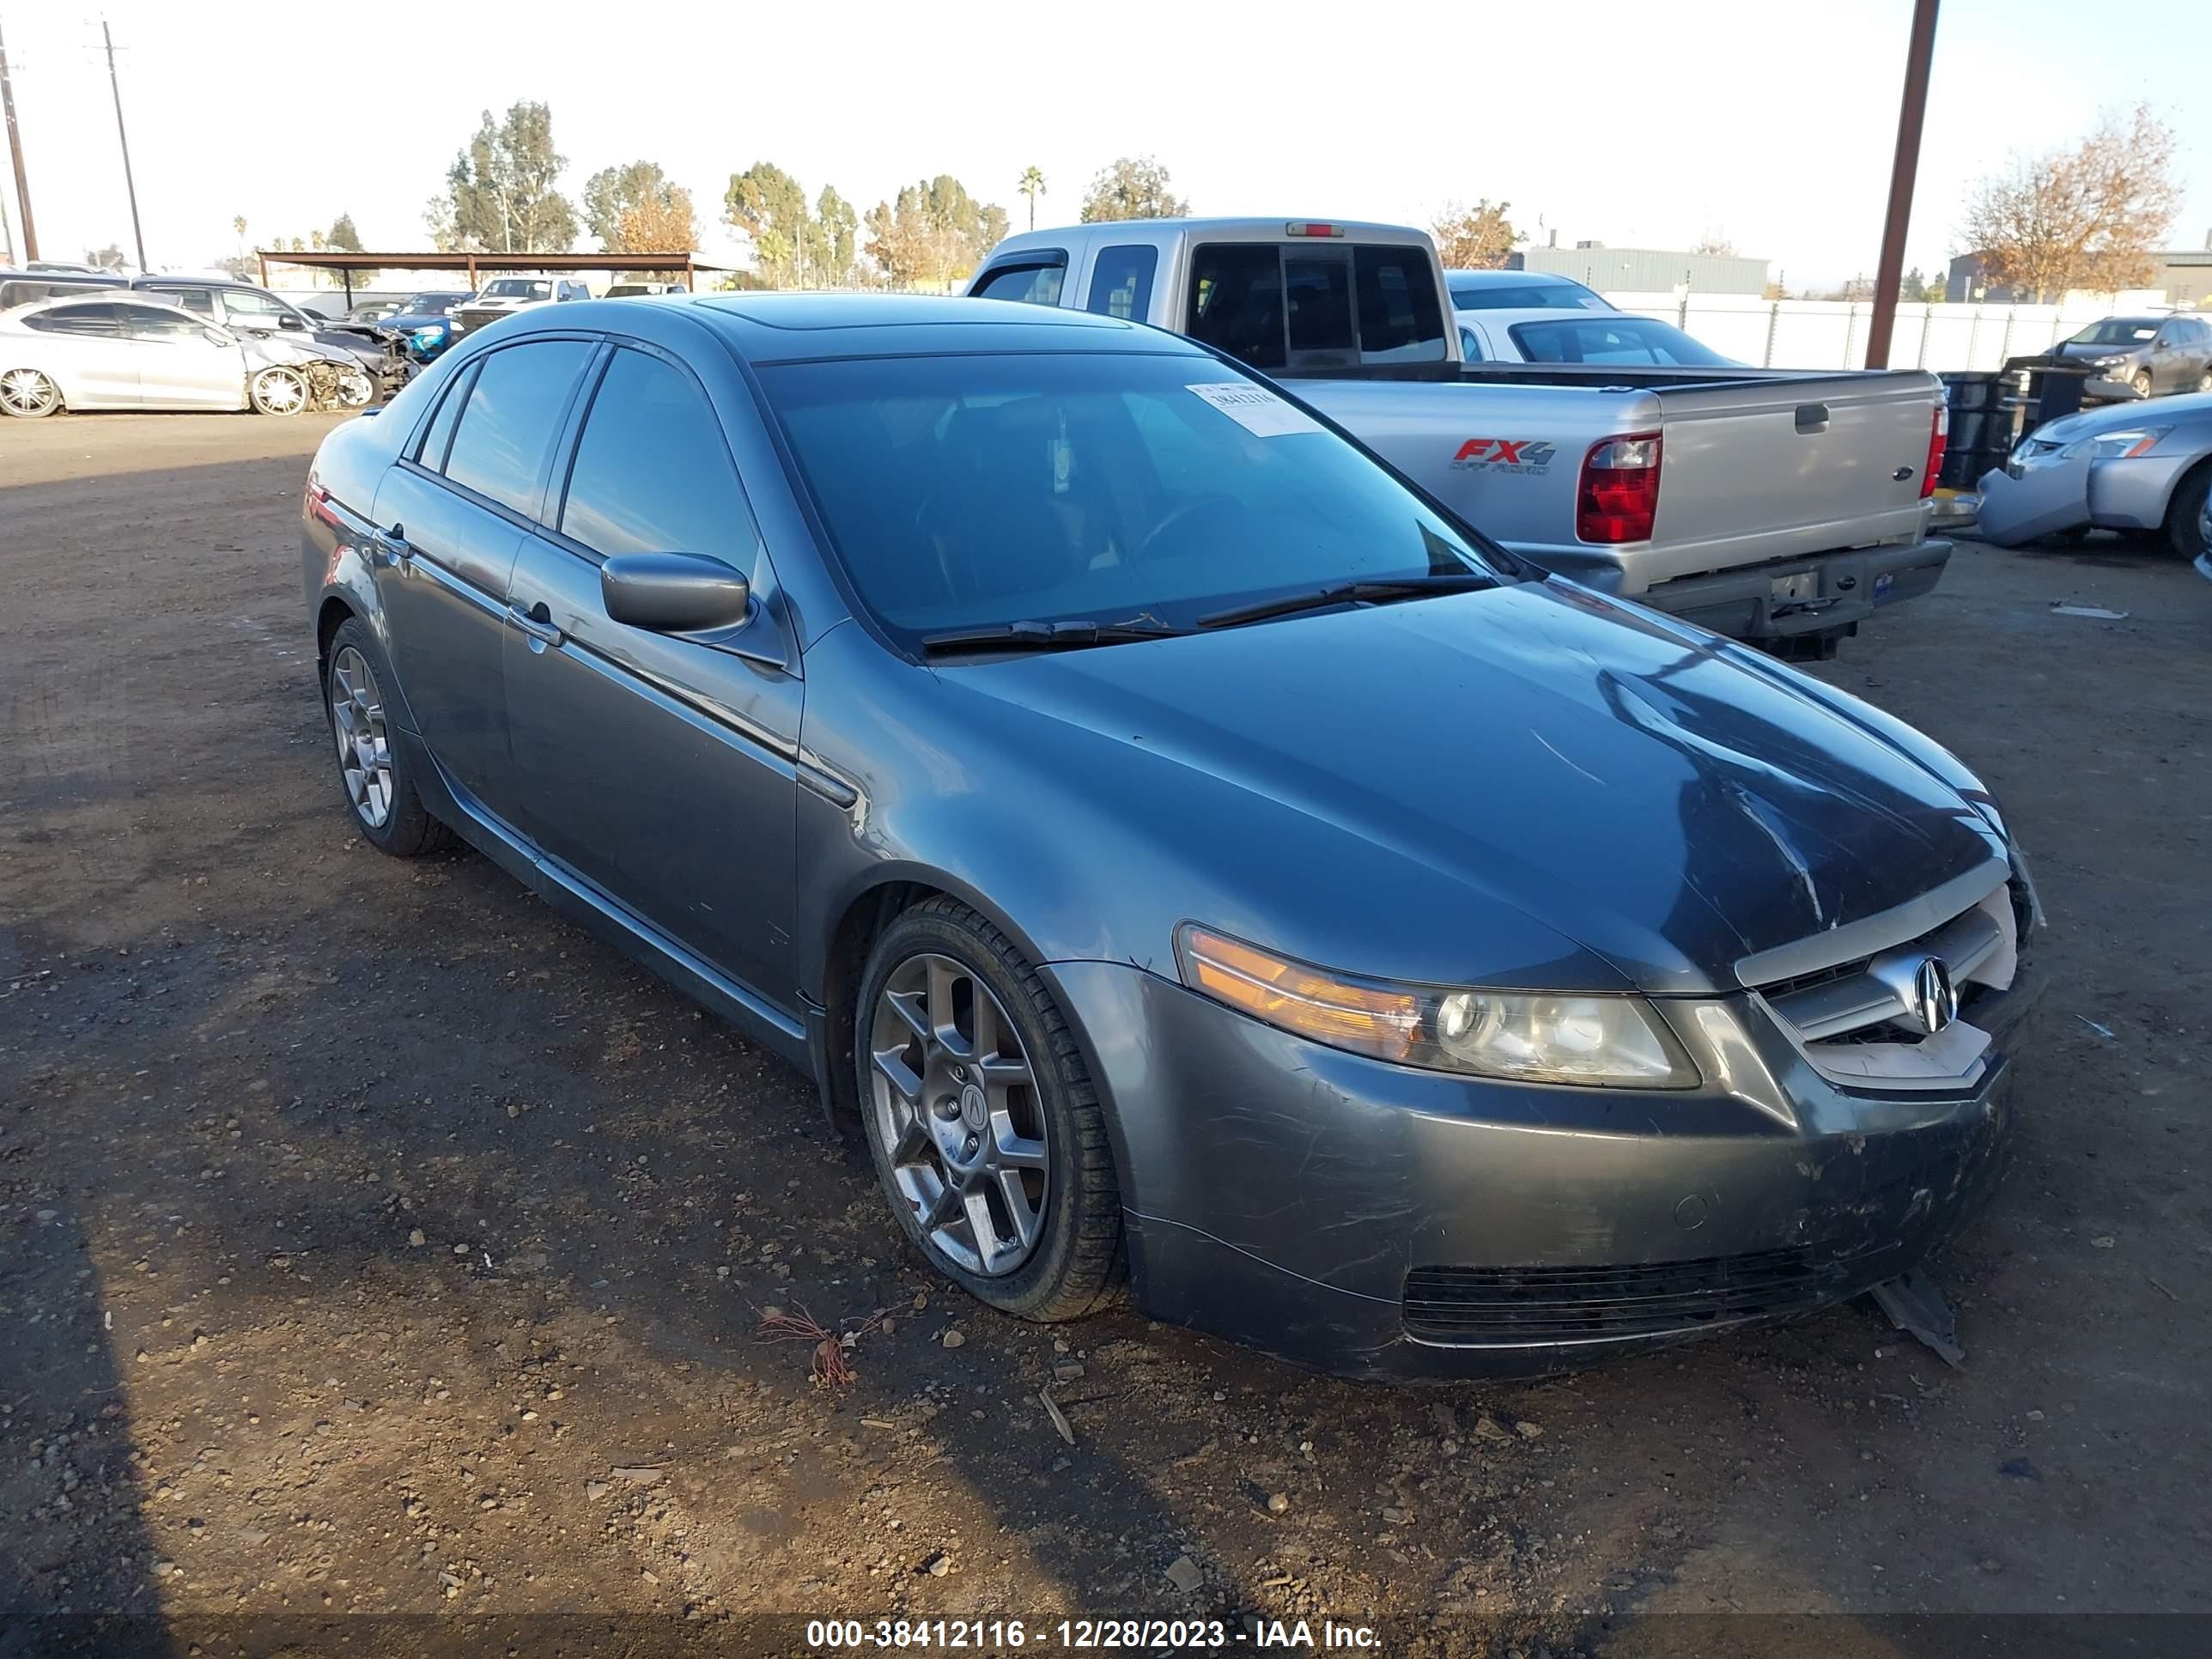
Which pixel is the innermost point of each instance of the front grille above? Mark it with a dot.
(1556, 1305)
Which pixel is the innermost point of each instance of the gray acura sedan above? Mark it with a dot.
(1183, 849)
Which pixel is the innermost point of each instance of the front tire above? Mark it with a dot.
(982, 1118)
(2141, 383)
(372, 768)
(2188, 514)
(278, 391)
(28, 394)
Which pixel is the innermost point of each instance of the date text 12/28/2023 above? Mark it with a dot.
(999, 1635)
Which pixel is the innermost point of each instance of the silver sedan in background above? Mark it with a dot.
(2123, 467)
(126, 352)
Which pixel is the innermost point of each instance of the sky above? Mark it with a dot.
(1771, 123)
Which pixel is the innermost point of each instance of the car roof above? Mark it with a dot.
(781, 328)
(1512, 279)
(117, 295)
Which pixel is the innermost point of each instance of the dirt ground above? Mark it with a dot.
(372, 1242)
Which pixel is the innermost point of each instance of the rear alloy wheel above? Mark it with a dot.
(278, 391)
(28, 394)
(985, 1128)
(371, 767)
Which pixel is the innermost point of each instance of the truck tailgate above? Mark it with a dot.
(1755, 471)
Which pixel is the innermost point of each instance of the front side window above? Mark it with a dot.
(1121, 281)
(507, 426)
(96, 320)
(969, 492)
(152, 323)
(244, 302)
(651, 473)
(1035, 285)
(192, 299)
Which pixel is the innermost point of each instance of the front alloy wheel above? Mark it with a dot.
(2141, 383)
(986, 1130)
(28, 394)
(279, 391)
(956, 1104)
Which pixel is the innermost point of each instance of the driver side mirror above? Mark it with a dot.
(291, 320)
(673, 593)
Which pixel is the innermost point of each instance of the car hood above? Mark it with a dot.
(2122, 417)
(1628, 782)
(2073, 353)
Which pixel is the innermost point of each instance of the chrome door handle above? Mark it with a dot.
(540, 629)
(392, 544)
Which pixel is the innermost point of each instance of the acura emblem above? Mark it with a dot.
(1935, 998)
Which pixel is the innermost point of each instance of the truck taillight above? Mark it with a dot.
(1939, 439)
(1619, 494)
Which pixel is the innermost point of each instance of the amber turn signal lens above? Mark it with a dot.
(1373, 1019)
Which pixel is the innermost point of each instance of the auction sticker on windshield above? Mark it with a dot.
(1255, 409)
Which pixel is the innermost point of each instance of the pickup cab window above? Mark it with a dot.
(1121, 281)
(1032, 282)
(1277, 307)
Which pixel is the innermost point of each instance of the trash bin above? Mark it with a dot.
(1984, 427)
(2044, 390)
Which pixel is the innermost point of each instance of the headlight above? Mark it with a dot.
(1529, 1036)
(2119, 446)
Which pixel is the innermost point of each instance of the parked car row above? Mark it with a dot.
(1115, 765)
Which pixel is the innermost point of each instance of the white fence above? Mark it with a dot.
(1832, 333)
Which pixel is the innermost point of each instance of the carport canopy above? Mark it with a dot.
(345, 263)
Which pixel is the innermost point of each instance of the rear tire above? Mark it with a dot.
(373, 768)
(2188, 514)
(1007, 1076)
(28, 394)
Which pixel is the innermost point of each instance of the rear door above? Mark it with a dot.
(180, 365)
(451, 514)
(660, 766)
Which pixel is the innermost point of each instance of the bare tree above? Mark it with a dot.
(1478, 237)
(1715, 241)
(2086, 217)
(1133, 187)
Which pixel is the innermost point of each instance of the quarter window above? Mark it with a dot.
(432, 453)
(152, 323)
(651, 473)
(1121, 281)
(507, 426)
(92, 319)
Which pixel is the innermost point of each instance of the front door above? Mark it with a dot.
(450, 518)
(181, 364)
(659, 767)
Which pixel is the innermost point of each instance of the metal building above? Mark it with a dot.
(1647, 270)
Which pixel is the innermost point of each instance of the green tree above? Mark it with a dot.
(342, 235)
(1135, 187)
(834, 239)
(500, 194)
(1031, 185)
(612, 192)
(770, 206)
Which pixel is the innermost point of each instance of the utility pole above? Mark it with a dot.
(124, 138)
(15, 152)
(1911, 115)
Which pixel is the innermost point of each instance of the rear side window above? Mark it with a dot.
(507, 426)
(1121, 281)
(432, 453)
(94, 319)
(1400, 319)
(1030, 284)
(152, 323)
(653, 474)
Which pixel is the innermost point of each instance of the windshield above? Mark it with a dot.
(432, 305)
(518, 288)
(969, 492)
(2118, 332)
(1561, 295)
(1612, 340)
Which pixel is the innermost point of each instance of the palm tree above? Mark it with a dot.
(1032, 186)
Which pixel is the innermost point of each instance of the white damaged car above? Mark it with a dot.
(2124, 466)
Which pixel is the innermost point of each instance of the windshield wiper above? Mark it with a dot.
(1395, 587)
(1042, 636)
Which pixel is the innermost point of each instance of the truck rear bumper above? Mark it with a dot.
(1805, 595)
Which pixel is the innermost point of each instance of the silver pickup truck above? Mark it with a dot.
(1772, 505)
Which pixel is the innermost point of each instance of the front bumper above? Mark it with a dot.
(1805, 595)
(1377, 1220)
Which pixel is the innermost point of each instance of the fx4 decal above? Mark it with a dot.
(1524, 455)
